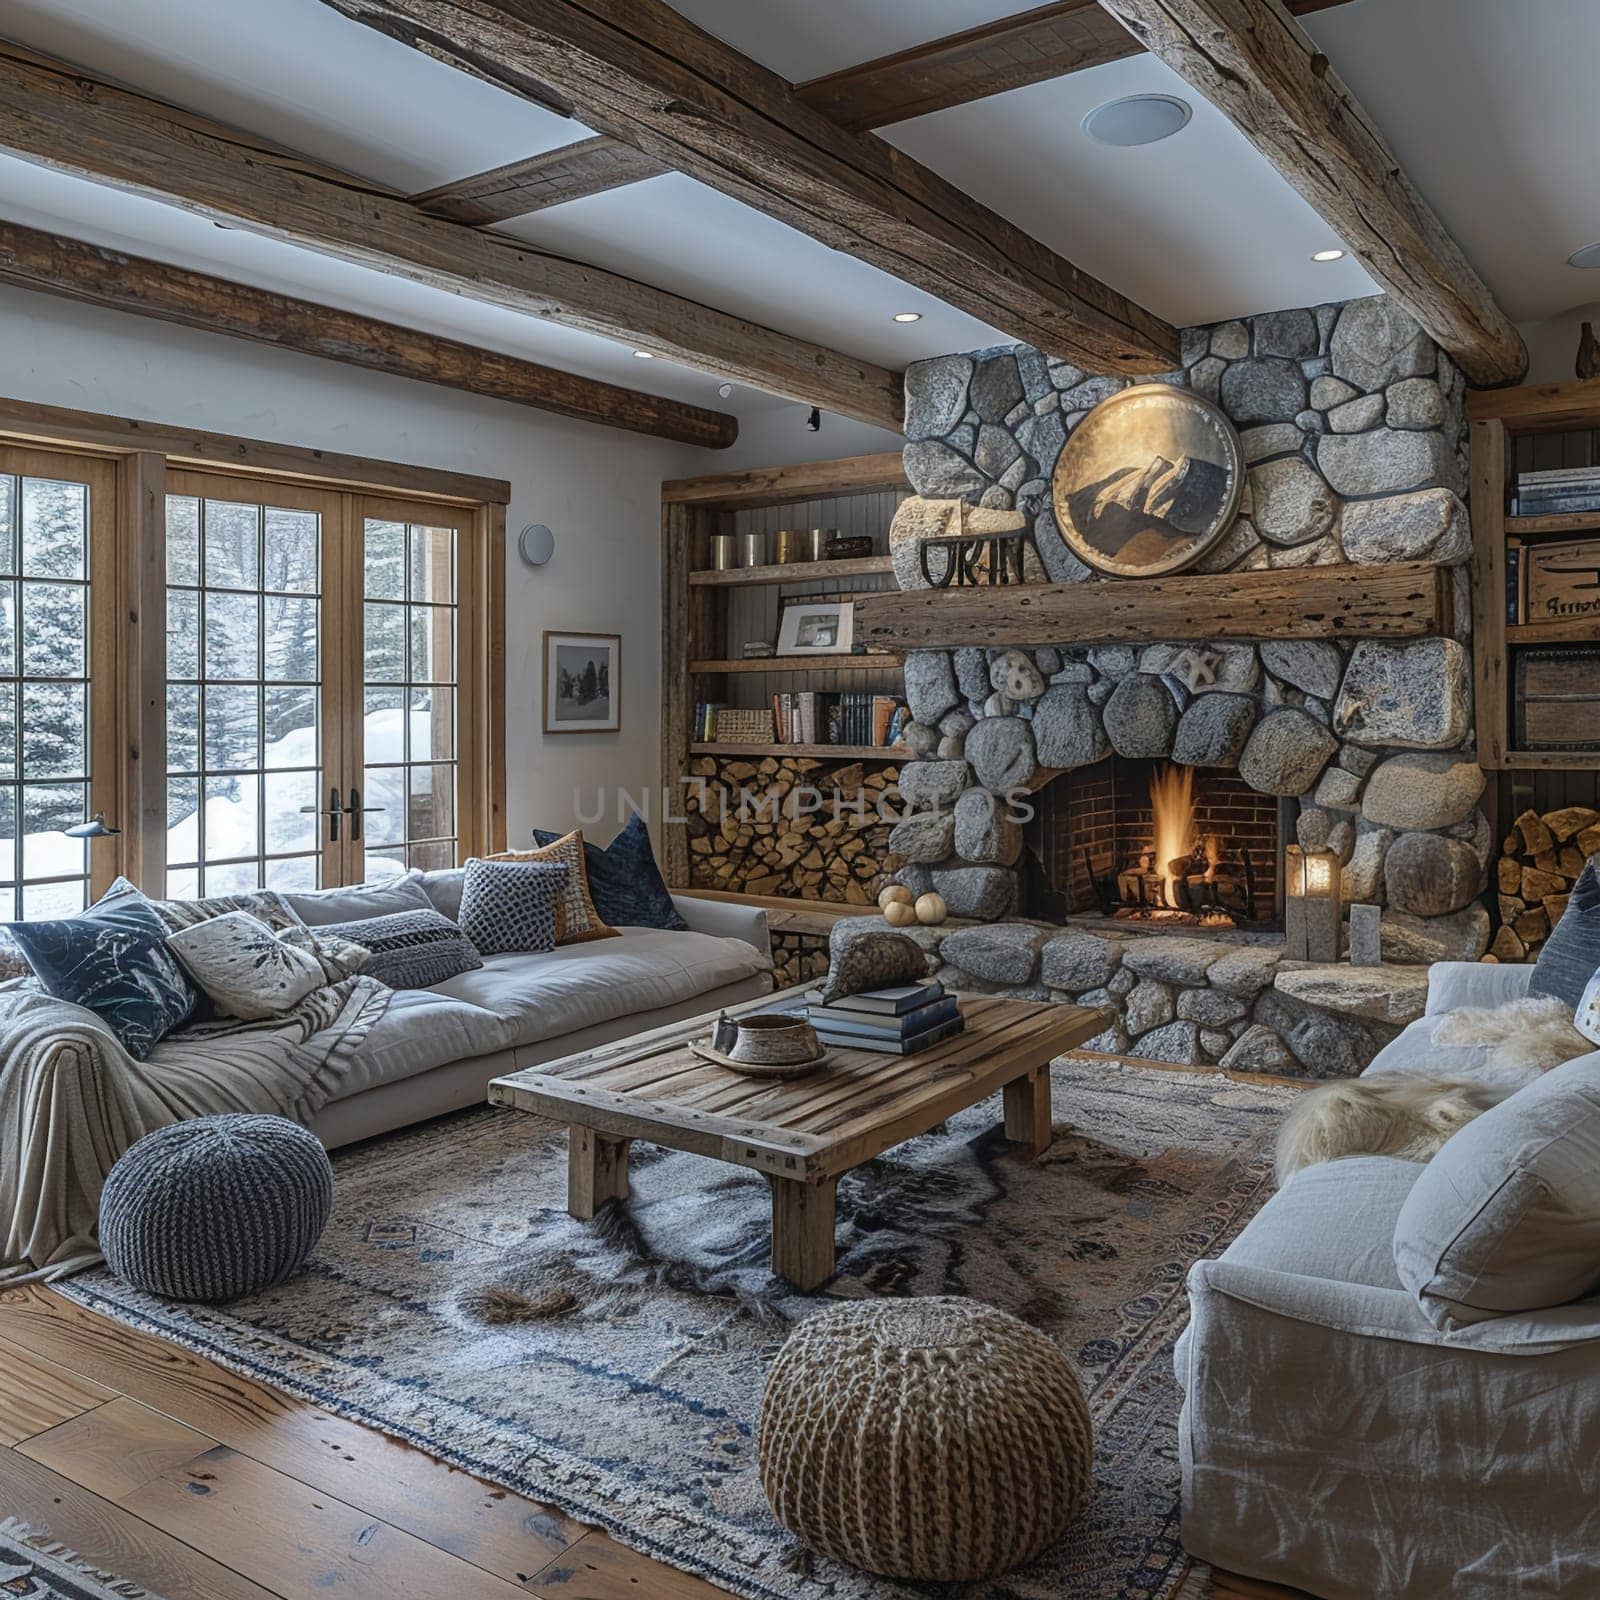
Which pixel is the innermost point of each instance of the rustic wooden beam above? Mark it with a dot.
(99, 276)
(1538, 407)
(1253, 61)
(1402, 601)
(776, 486)
(57, 116)
(638, 71)
(591, 166)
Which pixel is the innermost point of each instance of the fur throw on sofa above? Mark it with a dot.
(1409, 1115)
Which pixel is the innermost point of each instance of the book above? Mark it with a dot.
(891, 1001)
(1513, 584)
(893, 1046)
(1558, 475)
(882, 1025)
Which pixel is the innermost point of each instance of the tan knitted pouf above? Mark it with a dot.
(937, 1439)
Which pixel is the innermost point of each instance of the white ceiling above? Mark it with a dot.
(1489, 103)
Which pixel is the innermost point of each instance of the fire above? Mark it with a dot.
(1172, 807)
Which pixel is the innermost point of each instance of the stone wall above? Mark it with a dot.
(1352, 425)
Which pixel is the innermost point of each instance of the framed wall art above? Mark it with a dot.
(582, 682)
(816, 628)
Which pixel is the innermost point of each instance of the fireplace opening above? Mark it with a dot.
(1155, 842)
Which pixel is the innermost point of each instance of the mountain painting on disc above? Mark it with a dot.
(1148, 482)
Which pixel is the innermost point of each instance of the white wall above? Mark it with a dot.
(1553, 344)
(776, 435)
(598, 488)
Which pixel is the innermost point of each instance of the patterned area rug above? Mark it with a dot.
(615, 1369)
(33, 1566)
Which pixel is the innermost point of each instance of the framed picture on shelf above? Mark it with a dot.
(816, 628)
(582, 682)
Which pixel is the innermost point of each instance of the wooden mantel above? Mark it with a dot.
(1406, 600)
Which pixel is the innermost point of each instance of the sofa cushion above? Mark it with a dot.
(576, 986)
(511, 905)
(410, 949)
(1570, 957)
(624, 880)
(420, 1030)
(356, 902)
(244, 968)
(443, 888)
(1506, 1217)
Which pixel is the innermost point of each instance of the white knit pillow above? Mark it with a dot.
(245, 968)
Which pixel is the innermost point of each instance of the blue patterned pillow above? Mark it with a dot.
(410, 949)
(624, 881)
(112, 959)
(511, 905)
(1570, 957)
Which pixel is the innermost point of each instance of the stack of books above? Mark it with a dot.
(1559, 492)
(859, 718)
(898, 1021)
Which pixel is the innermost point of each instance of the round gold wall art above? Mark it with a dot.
(1148, 482)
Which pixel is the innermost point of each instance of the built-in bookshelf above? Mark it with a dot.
(709, 615)
(1537, 662)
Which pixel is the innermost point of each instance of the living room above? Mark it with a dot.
(799, 801)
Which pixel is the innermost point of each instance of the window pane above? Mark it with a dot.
(8, 627)
(8, 833)
(435, 856)
(183, 539)
(8, 738)
(238, 878)
(184, 885)
(383, 791)
(42, 902)
(385, 560)
(290, 726)
(385, 864)
(384, 728)
(233, 534)
(232, 726)
(433, 565)
(289, 639)
(183, 727)
(46, 810)
(183, 821)
(290, 551)
(288, 828)
(55, 528)
(55, 630)
(55, 730)
(183, 633)
(433, 724)
(385, 644)
(433, 644)
(8, 524)
(231, 630)
(233, 813)
(293, 873)
(432, 813)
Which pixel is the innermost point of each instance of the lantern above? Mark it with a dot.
(1312, 908)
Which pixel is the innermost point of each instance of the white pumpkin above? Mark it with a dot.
(892, 892)
(930, 909)
(899, 913)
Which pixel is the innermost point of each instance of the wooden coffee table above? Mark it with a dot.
(802, 1133)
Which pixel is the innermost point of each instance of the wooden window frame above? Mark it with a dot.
(129, 772)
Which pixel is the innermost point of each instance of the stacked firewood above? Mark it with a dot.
(798, 958)
(760, 828)
(1540, 859)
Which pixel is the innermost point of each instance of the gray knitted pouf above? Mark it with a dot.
(216, 1208)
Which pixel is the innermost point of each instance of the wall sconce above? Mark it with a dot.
(1313, 907)
(95, 828)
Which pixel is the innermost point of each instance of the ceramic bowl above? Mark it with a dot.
(771, 1039)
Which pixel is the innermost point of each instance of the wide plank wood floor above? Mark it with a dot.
(201, 1485)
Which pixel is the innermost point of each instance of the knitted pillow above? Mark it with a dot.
(410, 949)
(511, 905)
(576, 917)
(624, 880)
(245, 968)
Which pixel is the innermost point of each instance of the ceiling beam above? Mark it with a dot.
(59, 117)
(1253, 61)
(591, 166)
(1010, 53)
(99, 276)
(640, 72)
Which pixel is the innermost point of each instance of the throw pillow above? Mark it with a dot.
(112, 959)
(244, 967)
(576, 917)
(357, 901)
(624, 880)
(511, 905)
(410, 949)
(1570, 957)
(873, 961)
(1506, 1217)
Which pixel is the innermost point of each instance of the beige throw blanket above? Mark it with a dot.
(72, 1100)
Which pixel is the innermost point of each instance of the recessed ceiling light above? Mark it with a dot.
(1589, 256)
(725, 390)
(1327, 255)
(1137, 119)
(908, 316)
(645, 355)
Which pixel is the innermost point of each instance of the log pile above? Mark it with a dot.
(798, 958)
(1540, 860)
(758, 828)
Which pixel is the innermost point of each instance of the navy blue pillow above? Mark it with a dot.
(624, 881)
(1570, 957)
(113, 959)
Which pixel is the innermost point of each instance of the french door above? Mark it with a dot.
(57, 678)
(314, 674)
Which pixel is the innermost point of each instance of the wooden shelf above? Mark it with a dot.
(1555, 760)
(888, 661)
(1570, 522)
(786, 914)
(791, 572)
(840, 752)
(1575, 631)
(1405, 600)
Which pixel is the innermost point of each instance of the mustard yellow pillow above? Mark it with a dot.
(576, 917)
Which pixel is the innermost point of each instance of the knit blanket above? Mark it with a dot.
(72, 1100)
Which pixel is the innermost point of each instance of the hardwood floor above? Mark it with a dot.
(202, 1485)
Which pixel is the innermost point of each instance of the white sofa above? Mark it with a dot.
(435, 1050)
